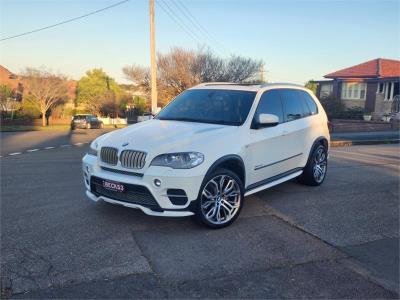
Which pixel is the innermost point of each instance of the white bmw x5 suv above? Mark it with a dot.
(210, 147)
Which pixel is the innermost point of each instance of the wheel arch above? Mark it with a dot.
(232, 162)
(318, 141)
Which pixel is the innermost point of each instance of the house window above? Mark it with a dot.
(326, 90)
(390, 90)
(354, 90)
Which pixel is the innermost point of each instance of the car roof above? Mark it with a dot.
(244, 86)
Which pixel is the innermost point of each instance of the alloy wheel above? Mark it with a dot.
(220, 199)
(320, 165)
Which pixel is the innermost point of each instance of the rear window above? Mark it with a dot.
(310, 102)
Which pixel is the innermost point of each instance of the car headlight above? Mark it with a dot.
(182, 160)
(93, 149)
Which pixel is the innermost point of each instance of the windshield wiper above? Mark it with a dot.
(221, 122)
(178, 119)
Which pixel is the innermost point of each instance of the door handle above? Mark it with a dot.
(285, 132)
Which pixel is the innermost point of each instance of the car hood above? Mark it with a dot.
(163, 136)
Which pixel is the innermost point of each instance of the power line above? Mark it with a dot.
(64, 22)
(183, 8)
(171, 15)
(185, 14)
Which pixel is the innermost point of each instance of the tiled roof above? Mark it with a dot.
(8, 78)
(377, 68)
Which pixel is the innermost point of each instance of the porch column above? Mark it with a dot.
(391, 91)
(386, 90)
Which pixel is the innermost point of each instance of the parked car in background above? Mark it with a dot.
(86, 122)
(208, 149)
(146, 116)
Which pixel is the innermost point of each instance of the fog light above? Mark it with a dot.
(157, 182)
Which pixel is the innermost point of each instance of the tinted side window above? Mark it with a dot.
(310, 102)
(270, 103)
(294, 104)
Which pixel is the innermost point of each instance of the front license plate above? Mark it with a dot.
(113, 186)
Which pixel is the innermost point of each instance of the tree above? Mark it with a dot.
(312, 85)
(181, 69)
(8, 102)
(140, 105)
(5, 95)
(45, 90)
(98, 92)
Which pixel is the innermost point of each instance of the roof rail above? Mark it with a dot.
(280, 83)
(224, 83)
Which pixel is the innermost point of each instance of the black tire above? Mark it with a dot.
(310, 176)
(238, 187)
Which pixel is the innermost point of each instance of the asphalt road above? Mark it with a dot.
(339, 240)
(24, 141)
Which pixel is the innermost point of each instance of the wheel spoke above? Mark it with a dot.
(229, 186)
(207, 204)
(211, 212)
(218, 213)
(232, 194)
(207, 194)
(228, 212)
(221, 183)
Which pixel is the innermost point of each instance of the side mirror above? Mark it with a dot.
(265, 120)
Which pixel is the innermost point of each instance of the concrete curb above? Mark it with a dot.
(363, 142)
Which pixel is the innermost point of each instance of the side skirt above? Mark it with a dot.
(270, 182)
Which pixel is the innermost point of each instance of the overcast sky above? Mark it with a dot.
(297, 40)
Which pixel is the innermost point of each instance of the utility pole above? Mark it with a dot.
(153, 65)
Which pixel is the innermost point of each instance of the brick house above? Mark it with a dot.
(373, 86)
(13, 81)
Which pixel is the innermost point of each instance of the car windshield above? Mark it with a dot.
(81, 117)
(227, 107)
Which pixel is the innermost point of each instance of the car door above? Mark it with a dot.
(296, 129)
(267, 146)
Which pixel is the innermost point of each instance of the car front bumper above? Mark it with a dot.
(171, 179)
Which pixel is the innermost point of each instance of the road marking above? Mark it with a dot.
(47, 148)
(339, 153)
(15, 153)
